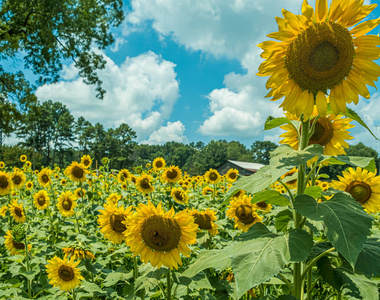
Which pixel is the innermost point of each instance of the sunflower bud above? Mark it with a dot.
(19, 233)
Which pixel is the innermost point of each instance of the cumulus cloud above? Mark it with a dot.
(140, 92)
(171, 132)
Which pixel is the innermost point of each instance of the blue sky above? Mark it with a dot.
(185, 71)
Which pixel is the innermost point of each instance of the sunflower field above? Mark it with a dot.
(155, 232)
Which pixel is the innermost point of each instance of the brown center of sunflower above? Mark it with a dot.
(159, 164)
(172, 174)
(18, 212)
(262, 204)
(41, 200)
(161, 234)
(86, 162)
(145, 184)
(80, 193)
(16, 179)
(66, 273)
(244, 214)
(18, 245)
(3, 182)
(213, 176)
(321, 56)
(66, 204)
(29, 185)
(77, 172)
(203, 221)
(45, 178)
(359, 190)
(323, 132)
(232, 175)
(116, 223)
(178, 195)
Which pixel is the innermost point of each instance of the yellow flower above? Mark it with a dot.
(3, 210)
(78, 252)
(44, 177)
(144, 184)
(123, 175)
(29, 185)
(63, 181)
(63, 273)
(17, 211)
(23, 158)
(76, 172)
(2, 165)
(363, 186)
(171, 174)
(5, 183)
(158, 236)
(86, 160)
(28, 164)
(158, 163)
(180, 196)
(207, 190)
(232, 175)
(18, 178)
(263, 206)
(113, 198)
(205, 220)
(12, 246)
(111, 222)
(66, 204)
(322, 53)
(212, 176)
(41, 199)
(80, 193)
(243, 213)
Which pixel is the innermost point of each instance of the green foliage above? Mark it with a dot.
(261, 150)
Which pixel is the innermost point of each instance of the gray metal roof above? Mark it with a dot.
(247, 165)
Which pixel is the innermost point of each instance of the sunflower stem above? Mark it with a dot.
(28, 266)
(169, 286)
(135, 270)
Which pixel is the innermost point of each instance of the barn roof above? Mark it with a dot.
(247, 165)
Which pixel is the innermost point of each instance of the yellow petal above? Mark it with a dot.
(367, 66)
(321, 9)
(307, 10)
(337, 8)
(365, 27)
(321, 103)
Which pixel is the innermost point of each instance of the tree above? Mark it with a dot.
(261, 151)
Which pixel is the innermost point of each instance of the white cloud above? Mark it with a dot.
(140, 92)
(170, 132)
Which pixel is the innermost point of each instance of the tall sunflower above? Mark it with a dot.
(86, 160)
(23, 158)
(5, 183)
(171, 174)
(66, 204)
(158, 236)
(205, 220)
(321, 53)
(330, 131)
(212, 176)
(41, 199)
(63, 273)
(123, 175)
(232, 175)
(158, 163)
(111, 220)
(180, 196)
(144, 184)
(17, 211)
(362, 185)
(76, 172)
(243, 213)
(44, 177)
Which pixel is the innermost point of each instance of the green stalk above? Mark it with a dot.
(28, 267)
(135, 270)
(169, 286)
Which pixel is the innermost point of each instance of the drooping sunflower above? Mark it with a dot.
(13, 246)
(41, 199)
(330, 131)
(18, 178)
(363, 186)
(123, 175)
(144, 184)
(111, 220)
(44, 177)
(66, 203)
(76, 172)
(23, 158)
(78, 252)
(212, 176)
(158, 163)
(207, 191)
(172, 174)
(5, 183)
(243, 213)
(63, 273)
(180, 196)
(205, 220)
(158, 236)
(232, 175)
(17, 211)
(86, 160)
(29, 185)
(321, 53)
(80, 193)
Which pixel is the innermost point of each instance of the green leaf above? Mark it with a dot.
(271, 123)
(287, 297)
(300, 245)
(92, 288)
(30, 274)
(270, 197)
(347, 224)
(282, 220)
(285, 155)
(358, 286)
(327, 272)
(368, 261)
(314, 191)
(367, 163)
(257, 230)
(114, 277)
(353, 115)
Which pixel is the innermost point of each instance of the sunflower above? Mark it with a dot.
(63, 181)
(362, 185)
(207, 190)
(28, 164)
(243, 213)
(13, 246)
(5, 183)
(205, 220)
(17, 211)
(158, 163)
(29, 185)
(66, 204)
(86, 160)
(111, 222)
(78, 252)
(232, 175)
(263, 206)
(144, 184)
(330, 131)
(18, 178)
(321, 52)
(76, 172)
(41, 199)
(171, 174)
(2, 165)
(113, 198)
(80, 193)
(63, 273)
(23, 158)
(3, 210)
(148, 166)
(180, 196)
(44, 177)
(123, 175)
(158, 236)
(56, 176)
(212, 176)
(133, 179)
